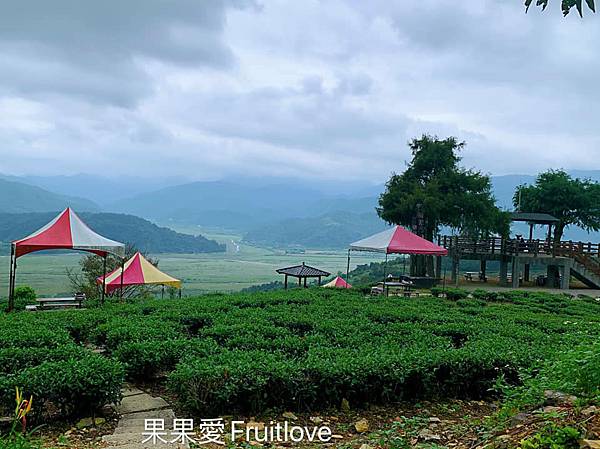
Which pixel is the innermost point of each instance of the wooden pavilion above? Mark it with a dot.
(302, 272)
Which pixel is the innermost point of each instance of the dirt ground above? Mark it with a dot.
(452, 424)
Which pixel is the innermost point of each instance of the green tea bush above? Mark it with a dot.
(453, 294)
(145, 359)
(24, 295)
(306, 348)
(76, 387)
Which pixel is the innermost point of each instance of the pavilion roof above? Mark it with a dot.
(302, 271)
(533, 217)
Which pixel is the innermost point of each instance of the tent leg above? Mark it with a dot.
(103, 280)
(348, 268)
(12, 278)
(385, 274)
(162, 293)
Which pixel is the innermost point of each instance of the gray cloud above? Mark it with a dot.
(97, 50)
(335, 89)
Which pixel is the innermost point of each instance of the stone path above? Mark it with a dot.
(135, 407)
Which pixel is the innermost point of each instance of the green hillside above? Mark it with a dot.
(124, 228)
(331, 230)
(17, 197)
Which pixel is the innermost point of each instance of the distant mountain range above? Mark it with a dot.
(268, 211)
(237, 206)
(17, 197)
(331, 230)
(145, 235)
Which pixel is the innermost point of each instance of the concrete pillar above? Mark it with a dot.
(565, 277)
(504, 272)
(455, 270)
(551, 272)
(515, 272)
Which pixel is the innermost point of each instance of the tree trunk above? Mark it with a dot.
(418, 265)
(559, 229)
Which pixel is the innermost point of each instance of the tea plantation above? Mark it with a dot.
(302, 349)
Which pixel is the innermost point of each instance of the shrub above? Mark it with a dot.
(75, 387)
(144, 359)
(553, 437)
(13, 359)
(453, 294)
(487, 295)
(24, 295)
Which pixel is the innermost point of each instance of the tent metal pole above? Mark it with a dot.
(162, 293)
(104, 279)
(122, 274)
(444, 281)
(348, 268)
(11, 285)
(385, 273)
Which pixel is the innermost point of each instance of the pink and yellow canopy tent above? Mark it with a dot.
(136, 271)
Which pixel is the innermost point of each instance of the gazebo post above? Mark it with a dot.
(304, 281)
(285, 282)
(104, 279)
(299, 281)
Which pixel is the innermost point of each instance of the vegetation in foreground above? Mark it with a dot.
(301, 350)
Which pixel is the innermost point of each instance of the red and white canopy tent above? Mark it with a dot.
(396, 240)
(66, 231)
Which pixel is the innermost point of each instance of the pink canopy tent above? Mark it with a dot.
(396, 240)
(65, 231)
(338, 282)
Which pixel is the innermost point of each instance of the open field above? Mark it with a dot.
(201, 273)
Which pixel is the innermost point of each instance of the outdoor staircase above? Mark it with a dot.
(134, 409)
(586, 268)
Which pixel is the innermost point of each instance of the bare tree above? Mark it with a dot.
(84, 280)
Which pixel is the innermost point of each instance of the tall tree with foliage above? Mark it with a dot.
(566, 5)
(92, 267)
(436, 191)
(573, 201)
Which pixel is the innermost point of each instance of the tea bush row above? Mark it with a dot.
(309, 348)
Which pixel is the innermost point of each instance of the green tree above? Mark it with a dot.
(91, 268)
(572, 201)
(566, 5)
(436, 191)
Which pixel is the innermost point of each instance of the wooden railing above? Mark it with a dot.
(512, 247)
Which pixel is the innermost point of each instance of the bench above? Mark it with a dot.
(471, 275)
(59, 303)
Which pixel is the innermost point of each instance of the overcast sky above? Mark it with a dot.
(334, 89)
